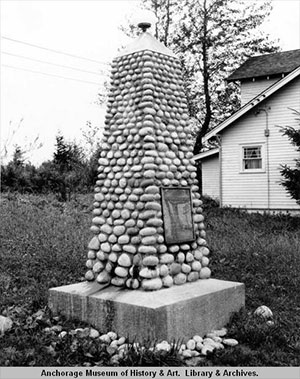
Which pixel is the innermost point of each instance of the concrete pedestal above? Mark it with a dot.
(169, 314)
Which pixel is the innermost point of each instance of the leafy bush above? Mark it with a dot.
(69, 172)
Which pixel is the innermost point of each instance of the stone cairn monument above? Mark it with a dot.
(148, 221)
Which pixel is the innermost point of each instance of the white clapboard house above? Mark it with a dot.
(244, 171)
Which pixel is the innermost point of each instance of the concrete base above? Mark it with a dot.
(169, 314)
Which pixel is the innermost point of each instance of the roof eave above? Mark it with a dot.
(257, 77)
(207, 153)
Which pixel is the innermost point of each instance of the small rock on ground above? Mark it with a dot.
(5, 324)
(230, 342)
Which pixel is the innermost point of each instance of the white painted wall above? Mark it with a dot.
(210, 176)
(250, 89)
(251, 189)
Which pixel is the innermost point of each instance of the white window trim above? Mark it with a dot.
(263, 163)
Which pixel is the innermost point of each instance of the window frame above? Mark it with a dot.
(260, 145)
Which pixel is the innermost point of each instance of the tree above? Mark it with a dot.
(227, 34)
(12, 173)
(211, 38)
(292, 175)
(68, 169)
(18, 175)
(18, 157)
(91, 138)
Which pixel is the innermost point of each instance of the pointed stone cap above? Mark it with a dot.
(146, 41)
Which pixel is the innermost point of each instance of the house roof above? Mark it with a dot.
(251, 104)
(267, 65)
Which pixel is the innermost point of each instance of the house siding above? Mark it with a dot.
(211, 176)
(250, 89)
(250, 190)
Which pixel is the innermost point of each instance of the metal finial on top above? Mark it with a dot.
(144, 19)
(144, 25)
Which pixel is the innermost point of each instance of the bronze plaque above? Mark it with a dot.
(177, 215)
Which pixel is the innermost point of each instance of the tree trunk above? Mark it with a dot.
(207, 118)
(167, 22)
(155, 6)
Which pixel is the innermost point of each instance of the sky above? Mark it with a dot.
(55, 98)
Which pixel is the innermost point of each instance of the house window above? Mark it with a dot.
(252, 158)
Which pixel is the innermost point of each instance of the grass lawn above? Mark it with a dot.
(43, 244)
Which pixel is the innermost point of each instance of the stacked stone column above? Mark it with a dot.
(147, 145)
